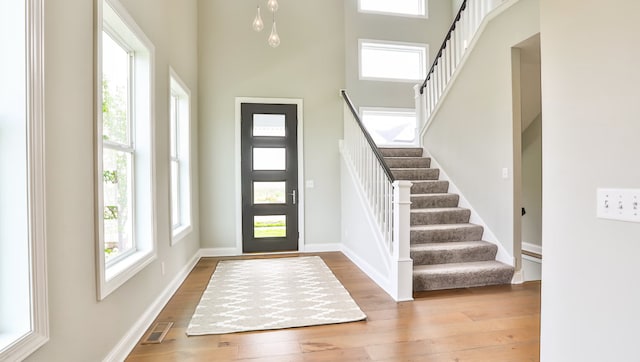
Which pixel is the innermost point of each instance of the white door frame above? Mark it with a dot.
(238, 157)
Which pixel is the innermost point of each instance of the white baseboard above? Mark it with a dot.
(215, 252)
(518, 277)
(366, 268)
(533, 248)
(131, 338)
(321, 248)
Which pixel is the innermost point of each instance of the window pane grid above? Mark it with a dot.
(118, 212)
(117, 78)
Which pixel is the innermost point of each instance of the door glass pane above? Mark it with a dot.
(268, 125)
(269, 192)
(269, 158)
(270, 226)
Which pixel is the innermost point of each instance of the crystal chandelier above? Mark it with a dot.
(258, 24)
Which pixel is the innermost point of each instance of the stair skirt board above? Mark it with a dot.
(447, 249)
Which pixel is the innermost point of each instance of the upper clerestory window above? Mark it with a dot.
(411, 8)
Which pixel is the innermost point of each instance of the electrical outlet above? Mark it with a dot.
(505, 173)
(619, 204)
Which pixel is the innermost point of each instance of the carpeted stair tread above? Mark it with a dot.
(445, 233)
(439, 200)
(461, 275)
(458, 252)
(401, 152)
(408, 162)
(416, 173)
(445, 215)
(429, 187)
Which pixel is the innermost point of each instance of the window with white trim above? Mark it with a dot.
(411, 8)
(390, 126)
(392, 61)
(180, 160)
(23, 283)
(125, 149)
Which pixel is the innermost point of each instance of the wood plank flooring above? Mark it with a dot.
(500, 323)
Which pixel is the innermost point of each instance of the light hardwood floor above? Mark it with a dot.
(494, 324)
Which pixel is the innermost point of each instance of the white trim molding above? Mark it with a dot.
(114, 16)
(238, 157)
(25, 344)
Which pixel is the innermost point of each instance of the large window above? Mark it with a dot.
(392, 61)
(126, 186)
(180, 134)
(23, 286)
(414, 8)
(390, 126)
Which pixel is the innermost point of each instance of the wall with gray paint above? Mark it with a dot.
(590, 130)
(235, 62)
(532, 183)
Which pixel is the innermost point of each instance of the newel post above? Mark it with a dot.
(402, 265)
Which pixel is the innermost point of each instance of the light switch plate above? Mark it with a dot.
(310, 184)
(619, 204)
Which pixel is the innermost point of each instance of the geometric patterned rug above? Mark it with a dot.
(261, 294)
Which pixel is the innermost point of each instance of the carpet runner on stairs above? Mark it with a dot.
(447, 251)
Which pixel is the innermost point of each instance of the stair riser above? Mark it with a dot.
(432, 187)
(401, 152)
(440, 217)
(482, 253)
(431, 201)
(424, 282)
(411, 162)
(446, 236)
(421, 174)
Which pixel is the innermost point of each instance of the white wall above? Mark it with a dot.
(83, 329)
(472, 134)
(431, 31)
(237, 62)
(590, 93)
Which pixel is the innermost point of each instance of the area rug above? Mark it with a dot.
(262, 294)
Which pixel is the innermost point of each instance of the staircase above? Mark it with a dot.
(447, 251)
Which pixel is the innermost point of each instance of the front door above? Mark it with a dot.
(269, 177)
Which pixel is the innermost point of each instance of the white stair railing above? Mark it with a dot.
(389, 200)
(461, 33)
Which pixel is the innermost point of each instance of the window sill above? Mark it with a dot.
(117, 274)
(180, 233)
(18, 346)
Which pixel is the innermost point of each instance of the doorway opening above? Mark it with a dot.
(527, 127)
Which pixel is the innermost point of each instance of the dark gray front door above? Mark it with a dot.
(269, 177)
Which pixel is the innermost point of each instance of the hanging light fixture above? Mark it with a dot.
(258, 24)
(274, 38)
(273, 5)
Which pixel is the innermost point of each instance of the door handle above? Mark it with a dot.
(293, 194)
